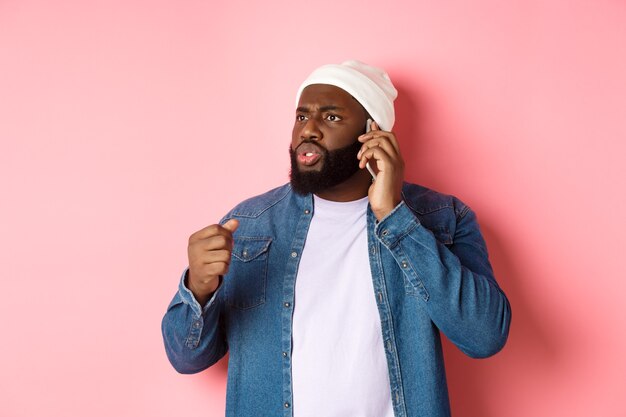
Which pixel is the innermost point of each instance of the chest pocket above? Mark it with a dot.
(246, 282)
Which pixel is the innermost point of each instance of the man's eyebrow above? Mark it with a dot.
(322, 109)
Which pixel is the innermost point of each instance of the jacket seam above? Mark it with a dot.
(271, 204)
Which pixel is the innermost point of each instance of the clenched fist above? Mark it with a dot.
(209, 254)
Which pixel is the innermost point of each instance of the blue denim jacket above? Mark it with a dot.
(430, 272)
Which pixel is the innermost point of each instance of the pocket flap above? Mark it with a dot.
(250, 248)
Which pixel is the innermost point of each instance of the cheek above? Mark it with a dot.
(295, 135)
(345, 138)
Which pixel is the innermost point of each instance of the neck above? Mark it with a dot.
(354, 188)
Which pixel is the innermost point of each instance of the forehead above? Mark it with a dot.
(325, 95)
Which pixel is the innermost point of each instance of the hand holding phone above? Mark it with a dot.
(381, 148)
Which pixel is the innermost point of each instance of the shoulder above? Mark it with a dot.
(423, 201)
(255, 206)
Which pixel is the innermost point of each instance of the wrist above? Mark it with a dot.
(202, 293)
(382, 212)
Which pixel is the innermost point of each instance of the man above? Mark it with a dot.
(329, 293)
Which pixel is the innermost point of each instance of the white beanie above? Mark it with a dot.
(369, 85)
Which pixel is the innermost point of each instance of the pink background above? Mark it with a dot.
(127, 125)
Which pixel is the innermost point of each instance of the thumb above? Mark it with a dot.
(231, 225)
(375, 125)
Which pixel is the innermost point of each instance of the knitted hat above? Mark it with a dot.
(369, 85)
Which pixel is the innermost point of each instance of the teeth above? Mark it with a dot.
(308, 154)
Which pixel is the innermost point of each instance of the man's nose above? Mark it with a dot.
(310, 130)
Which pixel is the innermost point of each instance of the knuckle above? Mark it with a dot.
(218, 256)
(193, 262)
(217, 268)
(227, 256)
(222, 241)
(192, 251)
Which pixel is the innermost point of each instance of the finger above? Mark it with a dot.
(375, 127)
(231, 225)
(215, 268)
(212, 243)
(204, 274)
(394, 141)
(375, 134)
(212, 230)
(213, 256)
(381, 134)
(380, 143)
(381, 157)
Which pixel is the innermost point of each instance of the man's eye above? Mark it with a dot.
(300, 118)
(333, 118)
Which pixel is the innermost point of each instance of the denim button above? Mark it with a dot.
(284, 354)
(286, 405)
(307, 211)
(196, 324)
(287, 305)
(385, 232)
(294, 254)
(404, 264)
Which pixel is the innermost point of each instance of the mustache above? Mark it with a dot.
(311, 142)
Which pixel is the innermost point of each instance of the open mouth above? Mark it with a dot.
(308, 158)
(308, 154)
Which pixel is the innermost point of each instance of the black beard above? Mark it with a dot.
(338, 166)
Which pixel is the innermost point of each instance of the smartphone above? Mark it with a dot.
(368, 128)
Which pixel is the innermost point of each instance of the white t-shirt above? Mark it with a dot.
(338, 360)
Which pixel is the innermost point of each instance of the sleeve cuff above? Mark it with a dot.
(187, 296)
(395, 225)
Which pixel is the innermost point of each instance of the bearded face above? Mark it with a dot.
(338, 165)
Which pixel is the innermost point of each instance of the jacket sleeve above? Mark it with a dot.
(193, 337)
(455, 282)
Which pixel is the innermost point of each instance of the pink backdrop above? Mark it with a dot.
(127, 125)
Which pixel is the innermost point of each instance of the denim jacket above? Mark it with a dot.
(430, 271)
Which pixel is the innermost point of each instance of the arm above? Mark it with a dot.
(456, 283)
(191, 332)
(192, 335)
